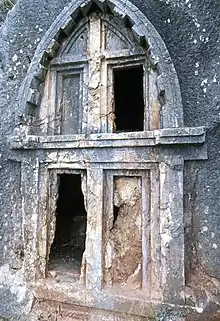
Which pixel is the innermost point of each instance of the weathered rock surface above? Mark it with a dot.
(190, 30)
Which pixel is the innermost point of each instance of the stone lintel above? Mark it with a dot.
(168, 136)
(111, 158)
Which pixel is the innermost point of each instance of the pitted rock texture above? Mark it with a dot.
(190, 30)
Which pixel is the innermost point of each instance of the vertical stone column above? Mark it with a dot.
(154, 105)
(94, 229)
(29, 192)
(145, 231)
(43, 212)
(171, 228)
(155, 238)
(94, 82)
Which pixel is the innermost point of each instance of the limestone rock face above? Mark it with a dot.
(147, 245)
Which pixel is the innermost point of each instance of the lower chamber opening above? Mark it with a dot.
(70, 233)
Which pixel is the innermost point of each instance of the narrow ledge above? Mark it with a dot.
(107, 299)
(168, 136)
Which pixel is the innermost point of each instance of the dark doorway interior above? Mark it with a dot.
(129, 99)
(70, 234)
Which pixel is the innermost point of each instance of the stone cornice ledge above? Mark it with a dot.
(168, 136)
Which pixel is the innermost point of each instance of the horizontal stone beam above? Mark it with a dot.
(122, 302)
(168, 136)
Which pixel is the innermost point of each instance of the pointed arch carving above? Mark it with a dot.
(171, 111)
(77, 41)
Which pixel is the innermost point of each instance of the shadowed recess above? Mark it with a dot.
(69, 241)
(129, 101)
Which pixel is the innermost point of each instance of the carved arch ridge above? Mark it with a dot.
(167, 80)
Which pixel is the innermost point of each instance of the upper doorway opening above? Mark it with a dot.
(129, 99)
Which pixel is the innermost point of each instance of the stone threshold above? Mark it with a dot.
(113, 300)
